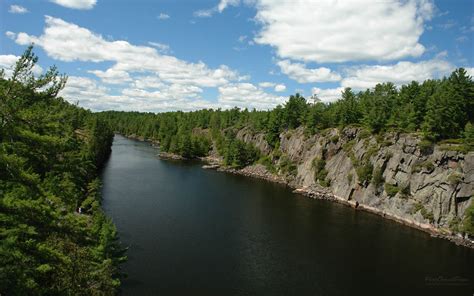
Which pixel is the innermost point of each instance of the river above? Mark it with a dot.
(192, 231)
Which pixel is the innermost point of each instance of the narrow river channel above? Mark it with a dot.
(192, 231)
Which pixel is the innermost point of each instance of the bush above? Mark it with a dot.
(428, 165)
(377, 178)
(364, 134)
(364, 172)
(405, 191)
(334, 139)
(426, 146)
(454, 178)
(268, 163)
(468, 220)
(391, 190)
(320, 171)
(287, 166)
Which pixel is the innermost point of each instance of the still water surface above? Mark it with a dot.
(192, 231)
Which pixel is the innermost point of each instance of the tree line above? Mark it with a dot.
(54, 237)
(437, 109)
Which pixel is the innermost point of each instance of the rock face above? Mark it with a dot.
(390, 174)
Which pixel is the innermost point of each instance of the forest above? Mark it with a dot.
(437, 110)
(54, 237)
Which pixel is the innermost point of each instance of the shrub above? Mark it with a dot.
(391, 190)
(267, 162)
(334, 139)
(364, 172)
(377, 178)
(454, 178)
(425, 146)
(468, 220)
(320, 171)
(428, 165)
(350, 177)
(405, 191)
(364, 134)
(347, 147)
(287, 166)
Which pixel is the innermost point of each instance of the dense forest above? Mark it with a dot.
(438, 110)
(54, 236)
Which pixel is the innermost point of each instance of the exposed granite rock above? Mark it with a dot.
(427, 189)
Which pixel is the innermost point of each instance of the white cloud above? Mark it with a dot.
(204, 13)
(327, 95)
(163, 16)
(400, 73)
(280, 87)
(223, 4)
(112, 76)
(68, 42)
(7, 63)
(266, 84)
(92, 95)
(247, 95)
(161, 47)
(76, 4)
(242, 38)
(300, 73)
(470, 71)
(338, 31)
(17, 9)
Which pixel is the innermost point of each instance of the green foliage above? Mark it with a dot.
(391, 190)
(468, 220)
(468, 137)
(423, 211)
(49, 154)
(377, 178)
(427, 165)
(320, 172)
(268, 163)
(455, 178)
(364, 172)
(286, 166)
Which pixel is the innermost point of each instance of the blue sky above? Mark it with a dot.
(183, 55)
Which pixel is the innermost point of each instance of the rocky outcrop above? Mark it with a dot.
(394, 175)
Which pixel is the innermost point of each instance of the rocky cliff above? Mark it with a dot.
(395, 175)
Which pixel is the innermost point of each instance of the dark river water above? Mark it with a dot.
(192, 231)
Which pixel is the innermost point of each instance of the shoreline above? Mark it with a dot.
(326, 195)
(316, 193)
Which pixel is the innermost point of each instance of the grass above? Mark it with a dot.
(391, 190)
(428, 165)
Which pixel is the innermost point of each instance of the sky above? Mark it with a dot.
(166, 55)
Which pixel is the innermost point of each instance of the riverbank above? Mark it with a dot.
(317, 192)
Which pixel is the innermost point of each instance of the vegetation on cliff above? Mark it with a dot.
(54, 236)
(437, 111)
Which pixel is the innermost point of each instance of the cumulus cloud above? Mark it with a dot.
(7, 63)
(90, 94)
(76, 4)
(327, 95)
(403, 72)
(266, 84)
(280, 87)
(300, 73)
(17, 9)
(339, 31)
(223, 4)
(247, 95)
(161, 47)
(470, 72)
(163, 16)
(68, 42)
